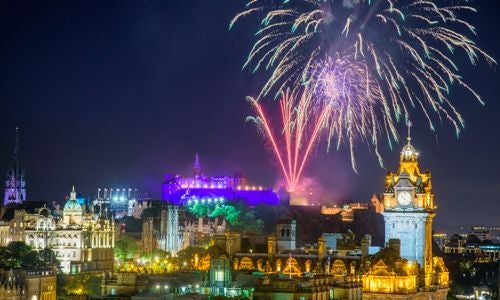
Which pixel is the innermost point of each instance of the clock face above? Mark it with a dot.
(404, 198)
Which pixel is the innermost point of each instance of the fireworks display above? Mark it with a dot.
(299, 131)
(364, 65)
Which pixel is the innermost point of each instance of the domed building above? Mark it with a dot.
(72, 211)
(81, 240)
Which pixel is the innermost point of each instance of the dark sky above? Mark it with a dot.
(116, 93)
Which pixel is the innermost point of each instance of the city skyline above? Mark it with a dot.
(118, 104)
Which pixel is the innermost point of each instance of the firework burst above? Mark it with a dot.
(298, 133)
(371, 62)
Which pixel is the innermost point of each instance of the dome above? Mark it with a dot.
(72, 205)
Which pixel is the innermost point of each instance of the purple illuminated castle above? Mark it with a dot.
(216, 189)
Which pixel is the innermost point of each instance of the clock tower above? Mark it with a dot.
(409, 208)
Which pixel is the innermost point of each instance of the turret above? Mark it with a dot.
(197, 166)
(321, 248)
(271, 246)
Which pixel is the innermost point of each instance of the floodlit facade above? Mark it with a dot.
(171, 238)
(180, 190)
(121, 202)
(407, 268)
(28, 284)
(81, 241)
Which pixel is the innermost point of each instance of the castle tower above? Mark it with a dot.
(286, 234)
(409, 208)
(15, 185)
(171, 238)
(147, 236)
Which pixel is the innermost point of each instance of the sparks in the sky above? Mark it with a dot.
(370, 61)
(297, 134)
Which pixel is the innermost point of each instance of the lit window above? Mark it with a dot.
(219, 275)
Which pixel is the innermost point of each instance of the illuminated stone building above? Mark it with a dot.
(180, 190)
(170, 233)
(346, 211)
(80, 240)
(5, 238)
(313, 273)
(15, 184)
(124, 202)
(286, 233)
(473, 248)
(28, 284)
(407, 268)
(148, 238)
(171, 237)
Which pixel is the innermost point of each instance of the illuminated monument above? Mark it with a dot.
(409, 208)
(81, 241)
(184, 191)
(407, 268)
(15, 185)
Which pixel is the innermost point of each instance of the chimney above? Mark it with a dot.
(395, 245)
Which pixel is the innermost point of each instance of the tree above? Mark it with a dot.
(237, 214)
(125, 247)
(199, 210)
(185, 256)
(80, 284)
(161, 254)
(20, 255)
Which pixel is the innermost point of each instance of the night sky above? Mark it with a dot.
(117, 93)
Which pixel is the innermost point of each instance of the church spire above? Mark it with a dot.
(409, 153)
(197, 165)
(409, 124)
(16, 164)
(72, 195)
(15, 191)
